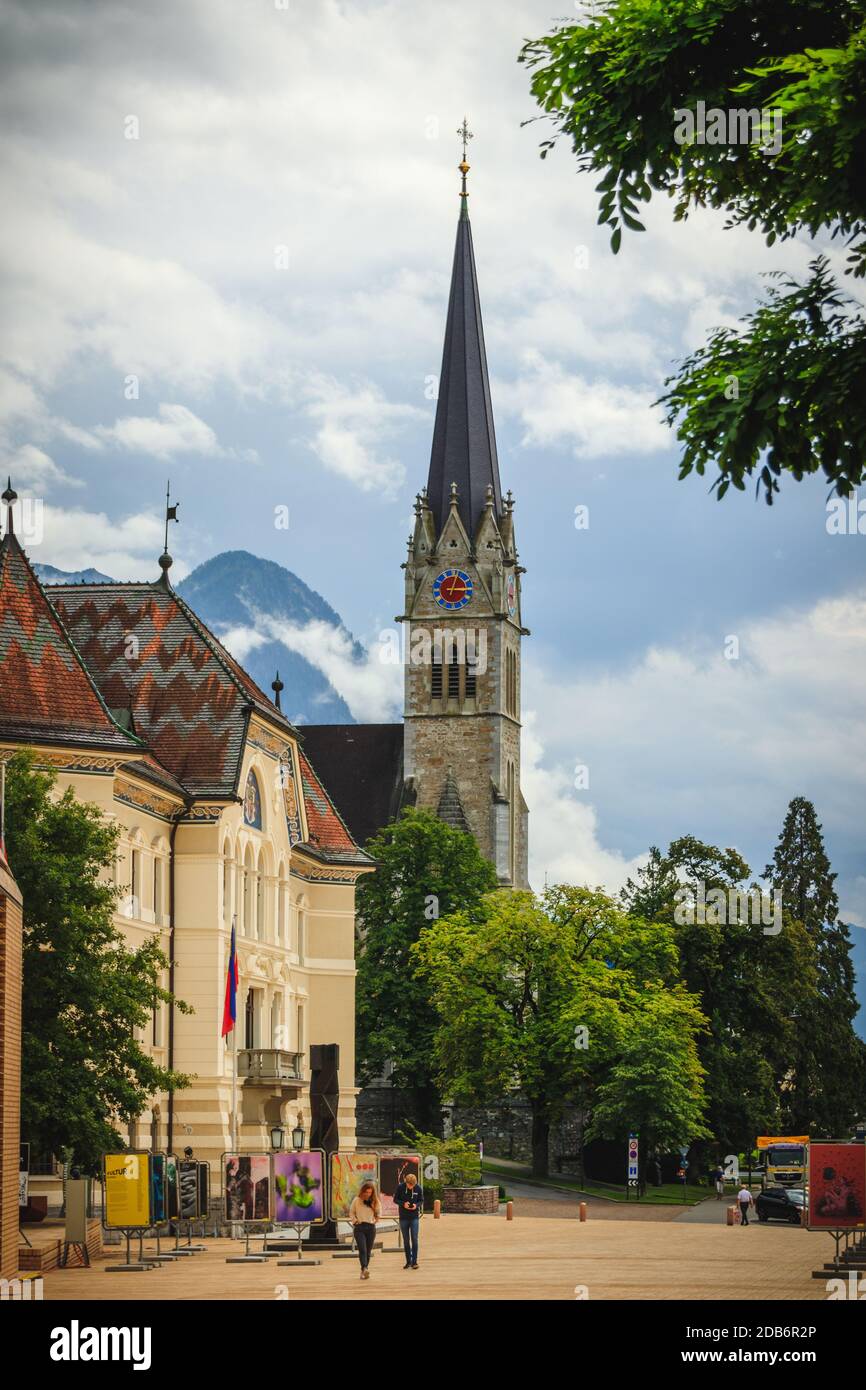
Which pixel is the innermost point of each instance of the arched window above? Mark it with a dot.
(248, 910)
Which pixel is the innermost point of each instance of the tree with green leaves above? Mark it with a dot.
(424, 869)
(542, 998)
(752, 985)
(825, 1089)
(84, 1073)
(785, 393)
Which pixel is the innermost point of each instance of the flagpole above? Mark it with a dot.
(235, 1137)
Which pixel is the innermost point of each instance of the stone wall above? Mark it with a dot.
(506, 1130)
(471, 1201)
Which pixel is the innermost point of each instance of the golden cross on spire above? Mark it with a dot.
(465, 135)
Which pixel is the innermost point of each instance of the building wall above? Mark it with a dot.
(295, 941)
(10, 1069)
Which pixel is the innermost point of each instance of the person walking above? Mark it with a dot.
(746, 1200)
(719, 1180)
(363, 1214)
(409, 1198)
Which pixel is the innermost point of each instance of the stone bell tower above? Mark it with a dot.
(463, 603)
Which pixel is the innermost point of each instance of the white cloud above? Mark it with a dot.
(33, 469)
(596, 418)
(123, 549)
(372, 688)
(176, 431)
(564, 831)
(352, 426)
(685, 738)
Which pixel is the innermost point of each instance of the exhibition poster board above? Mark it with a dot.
(247, 1187)
(128, 1190)
(349, 1172)
(187, 1180)
(393, 1169)
(171, 1189)
(837, 1186)
(299, 1186)
(203, 1188)
(159, 1209)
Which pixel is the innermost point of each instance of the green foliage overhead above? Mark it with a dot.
(784, 394)
(86, 993)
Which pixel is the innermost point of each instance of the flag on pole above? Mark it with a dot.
(230, 1008)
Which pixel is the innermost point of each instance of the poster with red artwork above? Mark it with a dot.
(837, 1186)
(393, 1169)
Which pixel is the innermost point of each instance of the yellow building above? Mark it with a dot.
(140, 709)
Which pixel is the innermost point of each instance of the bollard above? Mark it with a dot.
(437, 1209)
(583, 1211)
(730, 1215)
(509, 1211)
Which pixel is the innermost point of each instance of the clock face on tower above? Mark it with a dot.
(452, 589)
(511, 595)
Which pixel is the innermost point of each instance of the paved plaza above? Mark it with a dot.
(489, 1258)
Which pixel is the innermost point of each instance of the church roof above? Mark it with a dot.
(464, 440)
(362, 766)
(328, 833)
(188, 698)
(48, 695)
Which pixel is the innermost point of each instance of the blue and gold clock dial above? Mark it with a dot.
(452, 589)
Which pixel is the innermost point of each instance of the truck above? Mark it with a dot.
(785, 1159)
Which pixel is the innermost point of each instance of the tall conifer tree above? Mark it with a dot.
(828, 1077)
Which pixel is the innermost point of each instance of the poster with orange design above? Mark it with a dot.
(349, 1172)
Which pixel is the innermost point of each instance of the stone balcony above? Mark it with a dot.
(269, 1066)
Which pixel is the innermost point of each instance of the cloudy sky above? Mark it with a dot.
(226, 246)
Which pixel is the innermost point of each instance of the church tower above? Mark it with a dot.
(463, 604)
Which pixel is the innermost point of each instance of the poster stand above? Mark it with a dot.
(130, 1265)
(246, 1257)
(160, 1256)
(299, 1256)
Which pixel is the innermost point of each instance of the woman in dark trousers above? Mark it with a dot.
(363, 1214)
(409, 1198)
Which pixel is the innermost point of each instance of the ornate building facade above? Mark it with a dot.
(140, 709)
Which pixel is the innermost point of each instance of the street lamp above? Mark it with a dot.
(278, 1137)
(298, 1135)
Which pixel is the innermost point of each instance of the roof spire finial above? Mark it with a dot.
(465, 135)
(9, 496)
(276, 687)
(165, 560)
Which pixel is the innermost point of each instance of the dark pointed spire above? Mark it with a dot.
(9, 496)
(464, 440)
(276, 687)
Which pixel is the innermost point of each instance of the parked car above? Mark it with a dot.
(781, 1204)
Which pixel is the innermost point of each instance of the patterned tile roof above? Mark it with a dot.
(148, 652)
(46, 692)
(77, 667)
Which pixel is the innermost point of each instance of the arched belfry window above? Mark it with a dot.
(253, 802)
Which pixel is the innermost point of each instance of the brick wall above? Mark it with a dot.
(10, 1068)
